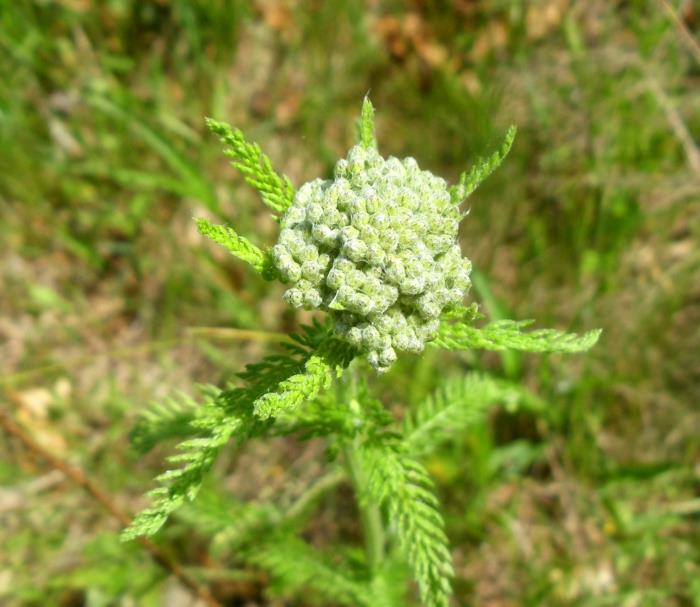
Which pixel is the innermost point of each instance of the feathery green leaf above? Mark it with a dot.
(163, 421)
(237, 245)
(457, 405)
(509, 334)
(402, 485)
(318, 373)
(320, 416)
(296, 567)
(228, 521)
(276, 190)
(470, 180)
(230, 414)
(366, 125)
(182, 484)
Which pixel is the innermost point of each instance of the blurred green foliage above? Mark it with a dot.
(593, 221)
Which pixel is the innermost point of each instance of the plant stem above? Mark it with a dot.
(370, 516)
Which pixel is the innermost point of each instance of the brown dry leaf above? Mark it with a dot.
(413, 26)
(104, 307)
(79, 6)
(417, 31)
(35, 402)
(44, 434)
(276, 15)
(682, 249)
(33, 413)
(411, 35)
(470, 81)
(543, 17)
(288, 108)
(493, 37)
(64, 139)
(5, 582)
(176, 91)
(389, 29)
(432, 53)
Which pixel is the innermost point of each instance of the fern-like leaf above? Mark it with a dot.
(297, 568)
(316, 417)
(229, 522)
(229, 415)
(509, 334)
(276, 190)
(162, 421)
(238, 246)
(366, 125)
(403, 487)
(181, 484)
(457, 405)
(470, 180)
(317, 374)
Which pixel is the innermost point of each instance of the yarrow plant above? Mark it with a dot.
(374, 248)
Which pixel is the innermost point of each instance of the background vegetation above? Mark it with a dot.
(593, 221)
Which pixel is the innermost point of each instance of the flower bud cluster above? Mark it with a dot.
(376, 247)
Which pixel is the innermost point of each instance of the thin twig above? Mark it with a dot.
(684, 508)
(228, 333)
(78, 476)
(79, 361)
(677, 124)
(691, 43)
(192, 333)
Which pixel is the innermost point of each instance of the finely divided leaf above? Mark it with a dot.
(457, 405)
(276, 190)
(227, 521)
(163, 421)
(239, 246)
(366, 125)
(316, 376)
(469, 181)
(182, 484)
(403, 487)
(510, 334)
(229, 415)
(320, 416)
(297, 568)
(318, 373)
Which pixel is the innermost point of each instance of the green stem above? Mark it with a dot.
(370, 515)
(311, 495)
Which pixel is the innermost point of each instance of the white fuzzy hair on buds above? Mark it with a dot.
(376, 247)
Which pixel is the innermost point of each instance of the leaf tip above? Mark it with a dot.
(366, 127)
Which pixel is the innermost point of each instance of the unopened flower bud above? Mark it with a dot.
(376, 248)
(293, 297)
(387, 357)
(355, 249)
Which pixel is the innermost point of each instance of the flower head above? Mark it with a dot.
(376, 247)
